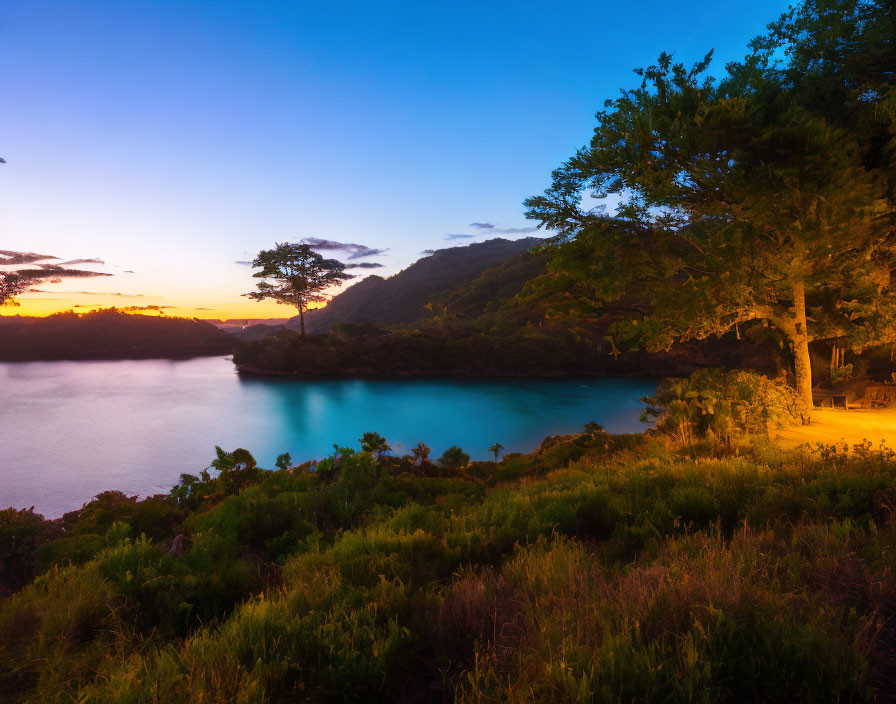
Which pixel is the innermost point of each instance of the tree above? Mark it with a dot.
(299, 275)
(454, 458)
(736, 205)
(284, 461)
(11, 285)
(496, 449)
(374, 443)
(421, 452)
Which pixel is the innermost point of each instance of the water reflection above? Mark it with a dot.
(71, 429)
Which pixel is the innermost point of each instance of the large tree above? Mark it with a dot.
(735, 202)
(296, 275)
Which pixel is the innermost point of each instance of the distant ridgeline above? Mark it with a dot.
(464, 311)
(108, 334)
(403, 298)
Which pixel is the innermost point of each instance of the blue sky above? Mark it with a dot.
(174, 138)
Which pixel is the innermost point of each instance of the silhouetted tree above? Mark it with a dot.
(454, 458)
(11, 285)
(284, 461)
(374, 443)
(298, 276)
(496, 449)
(421, 452)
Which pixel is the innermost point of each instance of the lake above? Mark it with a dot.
(69, 430)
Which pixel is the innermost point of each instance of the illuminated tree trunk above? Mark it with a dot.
(302, 319)
(799, 338)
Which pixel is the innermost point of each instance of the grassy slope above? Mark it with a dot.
(597, 569)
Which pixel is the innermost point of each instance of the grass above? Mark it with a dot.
(598, 569)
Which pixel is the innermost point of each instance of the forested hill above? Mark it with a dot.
(108, 334)
(401, 298)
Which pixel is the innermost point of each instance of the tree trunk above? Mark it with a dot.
(302, 319)
(799, 338)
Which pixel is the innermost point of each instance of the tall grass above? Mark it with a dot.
(613, 569)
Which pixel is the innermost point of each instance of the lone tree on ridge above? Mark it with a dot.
(296, 275)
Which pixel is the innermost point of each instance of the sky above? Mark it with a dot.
(171, 140)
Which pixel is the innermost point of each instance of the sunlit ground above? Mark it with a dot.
(853, 427)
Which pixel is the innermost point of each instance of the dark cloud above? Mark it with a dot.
(352, 249)
(73, 262)
(135, 309)
(458, 237)
(366, 265)
(482, 225)
(11, 258)
(55, 273)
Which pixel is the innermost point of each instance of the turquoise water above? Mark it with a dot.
(69, 430)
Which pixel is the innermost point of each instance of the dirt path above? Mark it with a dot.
(836, 425)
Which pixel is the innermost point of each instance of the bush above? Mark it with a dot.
(714, 404)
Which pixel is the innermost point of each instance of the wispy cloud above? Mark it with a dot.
(73, 262)
(458, 237)
(54, 273)
(365, 265)
(482, 225)
(243, 262)
(515, 230)
(353, 250)
(11, 258)
(427, 252)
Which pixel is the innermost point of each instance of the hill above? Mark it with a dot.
(401, 298)
(108, 334)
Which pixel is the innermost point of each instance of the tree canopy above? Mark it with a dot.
(11, 285)
(296, 275)
(741, 200)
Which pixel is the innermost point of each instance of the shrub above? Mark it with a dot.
(711, 403)
(454, 458)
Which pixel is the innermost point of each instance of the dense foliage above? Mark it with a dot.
(106, 334)
(599, 568)
(719, 406)
(479, 348)
(763, 197)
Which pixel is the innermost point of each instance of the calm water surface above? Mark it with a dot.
(69, 430)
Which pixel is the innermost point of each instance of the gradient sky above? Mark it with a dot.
(174, 138)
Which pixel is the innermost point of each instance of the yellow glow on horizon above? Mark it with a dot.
(216, 310)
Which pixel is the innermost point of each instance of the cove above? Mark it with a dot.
(69, 430)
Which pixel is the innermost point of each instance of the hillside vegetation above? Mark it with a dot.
(598, 568)
(108, 334)
(402, 298)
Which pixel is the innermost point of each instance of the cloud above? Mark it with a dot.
(352, 249)
(427, 252)
(128, 271)
(72, 262)
(516, 230)
(55, 273)
(135, 309)
(458, 237)
(482, 225)
(104, 293)
(10, 258)
(204, 309)
(365, 265)
(243, 262)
